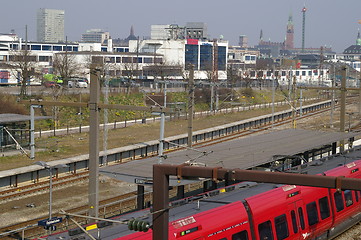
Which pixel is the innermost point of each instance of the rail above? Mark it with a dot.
(12, 178)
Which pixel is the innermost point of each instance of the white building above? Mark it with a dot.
(50, 25)
(181, 53)
(95, 36)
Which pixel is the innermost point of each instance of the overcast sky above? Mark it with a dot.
(328, 22)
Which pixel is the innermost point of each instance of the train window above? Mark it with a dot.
(356, 196)
(294, 222)
(281, 227)
(312, 215)
(223, 239)
(265, 230)
(339, 201)
(324, 207)
(240, 236)
(348, 197)
(302, 220)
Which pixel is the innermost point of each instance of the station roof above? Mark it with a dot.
(243, 153)
(12, 117)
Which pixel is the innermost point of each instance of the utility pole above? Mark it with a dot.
(93, 141)
(304, 9)
(333, 97)
(215, 73)
(359, 106)
(273, 96)
(190, 105)
(343, 106)
(294, 102)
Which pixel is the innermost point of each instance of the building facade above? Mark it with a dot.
(50, 25)
(95, 36)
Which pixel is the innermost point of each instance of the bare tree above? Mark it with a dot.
(66, 66)
(23, 63)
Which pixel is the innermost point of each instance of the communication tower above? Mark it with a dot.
(304, 9)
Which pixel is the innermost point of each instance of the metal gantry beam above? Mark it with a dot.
(161, 173)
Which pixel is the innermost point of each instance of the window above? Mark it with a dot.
(109, 59)
(239, 236)
(46, 48)
(302, 220)
(35, 47)
(58, 48)
(44, 58)
(281, 227)
(294, 222)
(148, 60)
(191, 55)
(265, 230)
(297, 73)
(339, 201)
(127, 60)
(303, 73)
(348, 197)
(312, 216)
(206, 57)
(222, 58)
(158, 60)
(283, 73)
(324, 208)
(356, 195)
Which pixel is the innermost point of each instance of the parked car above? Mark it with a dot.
(77, 83)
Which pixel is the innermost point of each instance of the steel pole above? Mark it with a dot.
(32, 135)
(161, 138)
(190, 106)
(93, 142)
(50, 191)
(343, 107)
(160, 203)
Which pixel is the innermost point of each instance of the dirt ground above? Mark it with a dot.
(37, 205)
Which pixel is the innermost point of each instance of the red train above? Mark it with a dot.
(288, 212)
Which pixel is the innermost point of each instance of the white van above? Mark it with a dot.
(78, 83)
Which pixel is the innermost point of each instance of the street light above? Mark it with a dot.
(50, 169)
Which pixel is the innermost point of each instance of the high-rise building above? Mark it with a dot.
(243, 41)
(289, 42)
(50, 25)
(95, 36)
(196, 30)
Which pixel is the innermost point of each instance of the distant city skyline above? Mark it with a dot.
(328, 23)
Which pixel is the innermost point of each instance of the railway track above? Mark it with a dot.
(116, 205)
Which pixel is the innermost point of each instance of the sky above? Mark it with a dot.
(330, 23)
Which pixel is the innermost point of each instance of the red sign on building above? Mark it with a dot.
(192, 41)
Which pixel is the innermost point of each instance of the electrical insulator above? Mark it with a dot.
(138, 225)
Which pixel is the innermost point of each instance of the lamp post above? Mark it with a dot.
(50, 169)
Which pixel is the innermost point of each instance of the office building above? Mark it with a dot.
(50, 25)
(95, 36)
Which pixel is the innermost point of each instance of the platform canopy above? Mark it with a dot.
(243, 153)
(13, 118)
